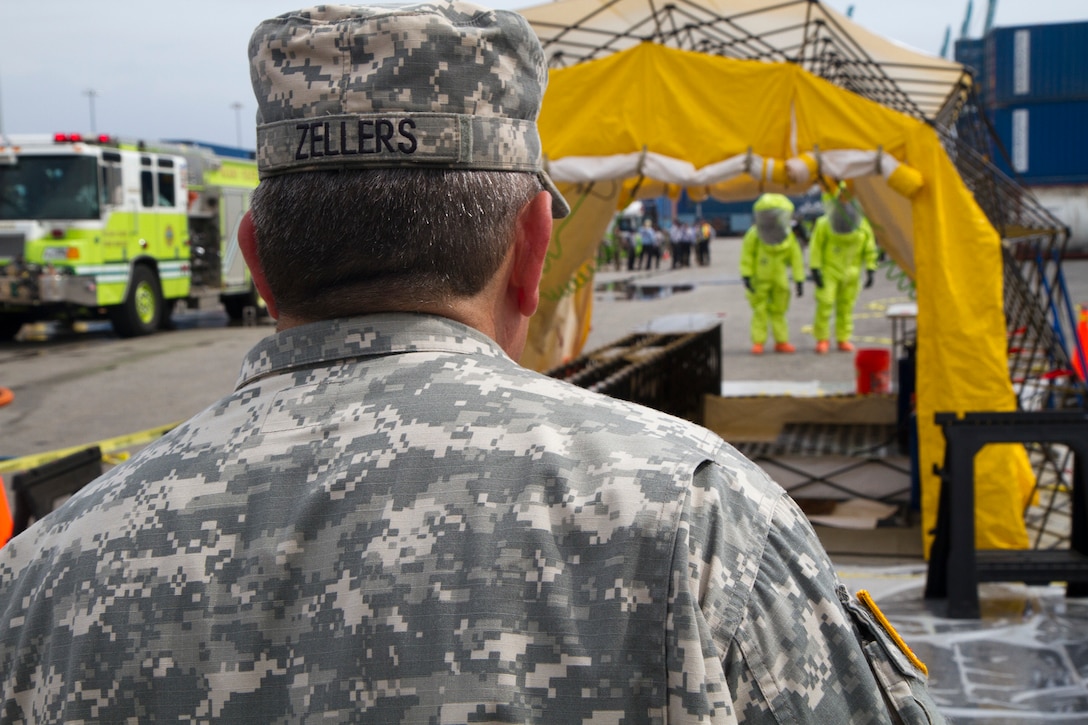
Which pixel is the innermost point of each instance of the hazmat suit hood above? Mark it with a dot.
(773, 215)
(844, 216)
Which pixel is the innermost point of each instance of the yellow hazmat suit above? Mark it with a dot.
(768, 250)
(842, 243)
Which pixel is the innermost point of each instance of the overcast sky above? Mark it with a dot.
(155, 70)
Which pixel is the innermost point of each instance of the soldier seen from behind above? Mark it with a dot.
(389, 520)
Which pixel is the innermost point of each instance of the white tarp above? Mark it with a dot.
(807, 32)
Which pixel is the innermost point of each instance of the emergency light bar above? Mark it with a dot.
(101, 138)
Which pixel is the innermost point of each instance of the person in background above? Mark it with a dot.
(842, 245)
(662, 240)
(390, 520)
(702, 242)
(610, 250)
(632, 243)
(769, 255)
(688, 236)
(651, 252)
(676, 243)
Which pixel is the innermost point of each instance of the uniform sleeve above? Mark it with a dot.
(789, 645)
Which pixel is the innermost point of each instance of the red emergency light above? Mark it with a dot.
(101, 138)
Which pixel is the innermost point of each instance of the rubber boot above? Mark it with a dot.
(784, 347)
(822, 346)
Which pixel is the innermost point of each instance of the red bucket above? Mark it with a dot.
(873, 366)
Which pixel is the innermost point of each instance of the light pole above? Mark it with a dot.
(2, 140)
(91, 93)
(238, 121)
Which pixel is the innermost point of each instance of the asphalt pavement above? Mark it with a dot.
(667, 300)
(76, 388)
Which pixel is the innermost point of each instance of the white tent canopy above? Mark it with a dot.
(819, 39)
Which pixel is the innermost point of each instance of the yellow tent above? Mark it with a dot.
(651, 120)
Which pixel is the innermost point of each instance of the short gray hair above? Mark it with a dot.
(339, 243)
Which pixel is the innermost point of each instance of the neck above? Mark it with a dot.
(484, 312)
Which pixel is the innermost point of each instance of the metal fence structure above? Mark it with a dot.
(668, 372)
(1040, 320)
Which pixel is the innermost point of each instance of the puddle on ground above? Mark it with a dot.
(645, 289)
(629, 291)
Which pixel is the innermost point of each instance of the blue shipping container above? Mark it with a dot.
(971, 52)
(1036, 63)
(1044, 142)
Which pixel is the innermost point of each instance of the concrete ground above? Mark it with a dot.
(667, 300)
(670, 298)
(1024, 661)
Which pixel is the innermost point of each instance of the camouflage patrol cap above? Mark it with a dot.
(441, 85)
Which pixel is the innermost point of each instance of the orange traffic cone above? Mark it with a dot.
(1082, 348)
(6, 522)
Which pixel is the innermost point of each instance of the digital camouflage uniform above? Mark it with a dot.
(391, 521)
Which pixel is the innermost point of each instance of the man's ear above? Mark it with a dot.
(534, 234)
(247, 242)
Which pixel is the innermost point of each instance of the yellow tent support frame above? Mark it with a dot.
(680, 119)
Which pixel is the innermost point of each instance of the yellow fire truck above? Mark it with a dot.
(97, 228)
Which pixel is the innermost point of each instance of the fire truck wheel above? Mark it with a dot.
(142, 309)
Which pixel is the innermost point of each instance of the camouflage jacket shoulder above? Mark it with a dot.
(389, 520)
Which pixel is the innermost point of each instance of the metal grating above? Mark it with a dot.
(667, 372)
(867, 461)
(828, 439)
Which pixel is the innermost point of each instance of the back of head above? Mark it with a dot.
(395, 146)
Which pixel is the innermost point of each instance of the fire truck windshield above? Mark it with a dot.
(50, 188)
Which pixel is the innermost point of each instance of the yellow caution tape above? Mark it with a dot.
(107, 446)
(114, 458)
